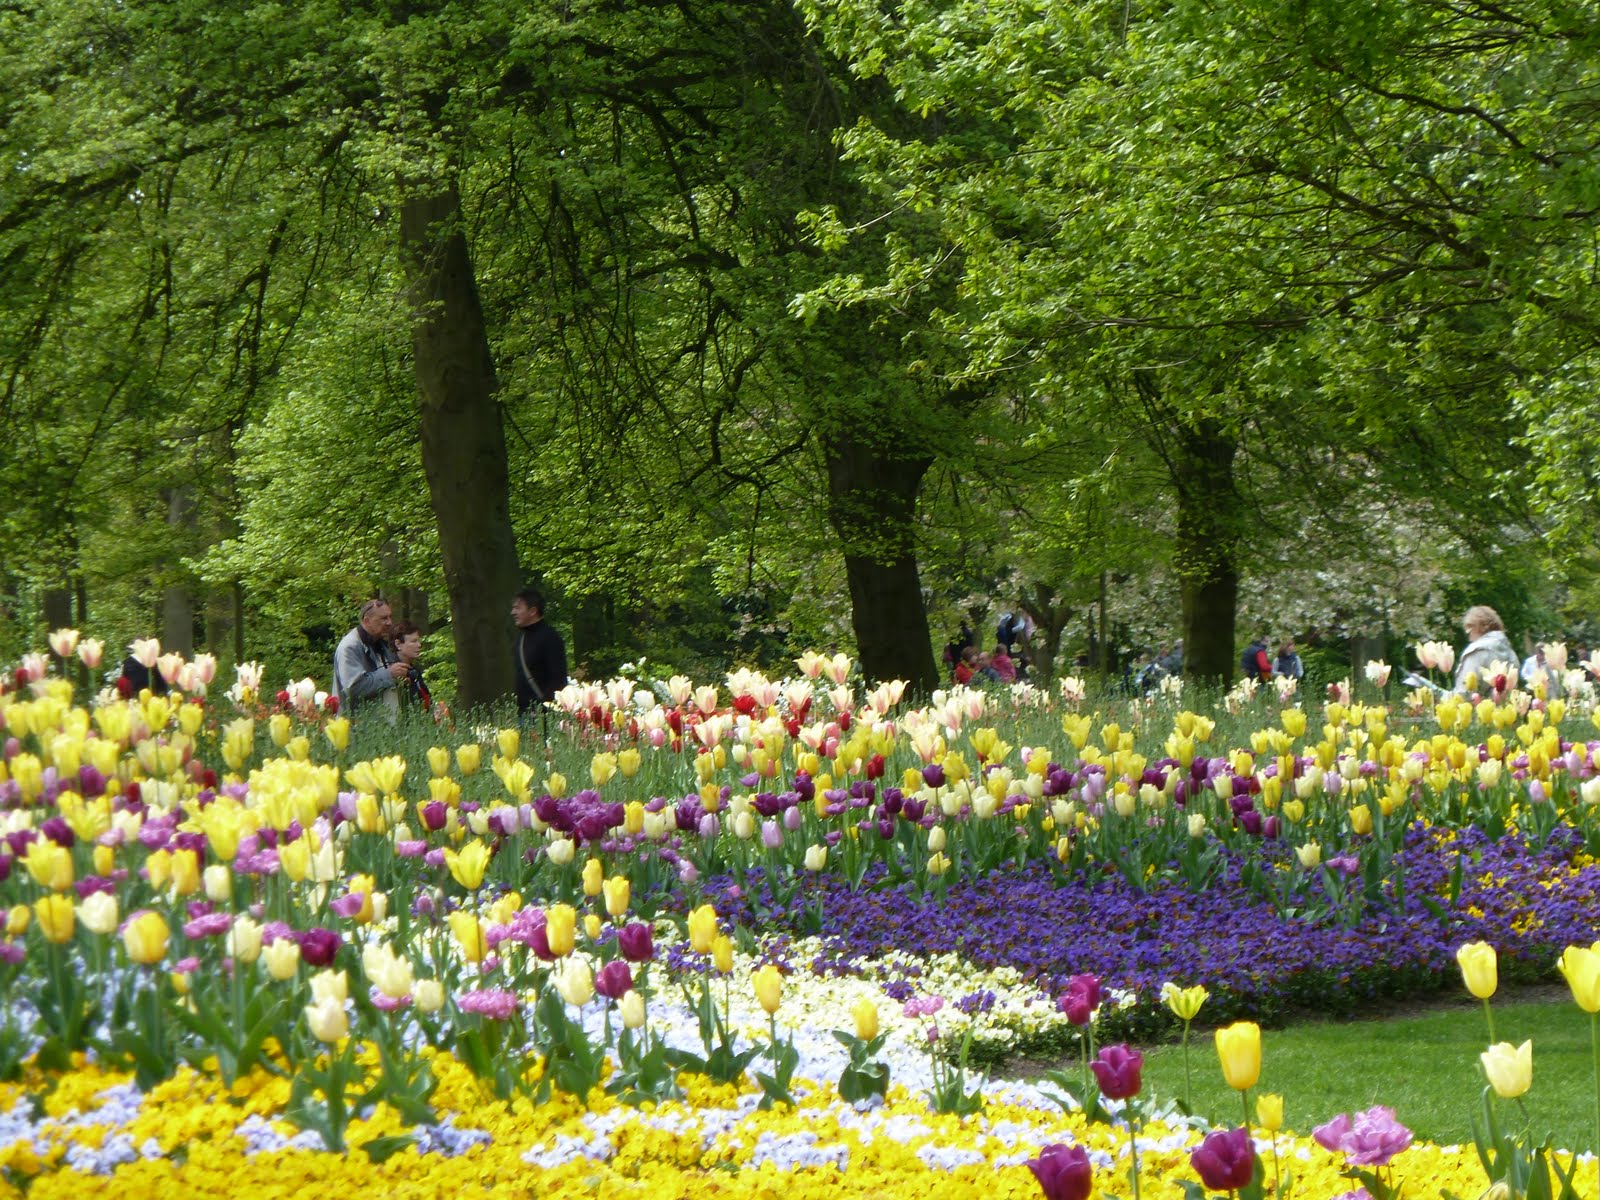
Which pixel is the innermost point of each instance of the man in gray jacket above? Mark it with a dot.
(365, 664)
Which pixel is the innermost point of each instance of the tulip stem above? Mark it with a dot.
(1594, 1054)
(1133, 1148)
(1488, 1015)
(1244, 1099)
(1188, 1084)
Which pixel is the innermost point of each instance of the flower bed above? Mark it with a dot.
(378, 945)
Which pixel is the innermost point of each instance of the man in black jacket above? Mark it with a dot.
(539, 659)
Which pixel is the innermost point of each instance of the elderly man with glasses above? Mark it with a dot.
(365, 665)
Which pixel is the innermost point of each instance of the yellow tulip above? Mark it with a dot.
(185, 872)
(1509, 1068)
(338, 733)
(561, 928)
(50, 864)
(18, 918)
(594, 874)
(439, 760)
(865, 1013)
(467, 865)
(1239, 1049)
(469, 757)
(56, 918)
(591, 926)
(618, 892)
(1580, 967)
(328, 1020)
(1269, 1112)
(509, 741)
(1184, 1002)
(702, 929)
(244, 940)
(145, 937)
(1361, 819)
(1478, 968)
(768, 983)
(722, 953)
(469, 935)
(631, 1006)
(294, 858)
(98, 912)
(428, 995)
(575, 982)
(282, 957)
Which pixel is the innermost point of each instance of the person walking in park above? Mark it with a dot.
(1487, 647)
(365, 665)
(539, 656)
(1288, 665)
(1254, 661)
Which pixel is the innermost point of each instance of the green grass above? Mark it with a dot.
(1425, 1067)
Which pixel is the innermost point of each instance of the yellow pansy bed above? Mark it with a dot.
(193, 1137)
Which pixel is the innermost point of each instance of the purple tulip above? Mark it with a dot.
(1063, 1172)
(1117, 1071)
(59, 832)
(1370, 1140)
(708, 825)
(318, 946)
(1082, 997)
(1225, 1160)
(771, 835)
(933, 775)
(636, 943)
(614, 980)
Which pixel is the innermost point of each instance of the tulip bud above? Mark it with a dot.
(593, 877)
(936, 839)
(1580, 967)
(561, 929)
(618, 892)
(865, 1013)
(468, 758)
(244, 940)
(439, 760)
(631, 1006)
(145, 937)
(816, 857)
(575, 982)
(1479, 968)
(428, 995)
(1239, 1049)
(702, 929)
(768, 983)
(722, 953)
(591, 926)
(1269, 1111)
(98, 912)
(218, 883)
(560, 851)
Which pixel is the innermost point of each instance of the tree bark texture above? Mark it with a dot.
(463, 442)
(872, 498)
(1210, 528)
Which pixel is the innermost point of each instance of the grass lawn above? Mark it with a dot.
(1423, 1065)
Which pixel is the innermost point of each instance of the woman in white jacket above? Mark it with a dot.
(1488, 652)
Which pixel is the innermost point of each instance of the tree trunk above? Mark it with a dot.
(1210, 525)
(463, 442)
(872, 499)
